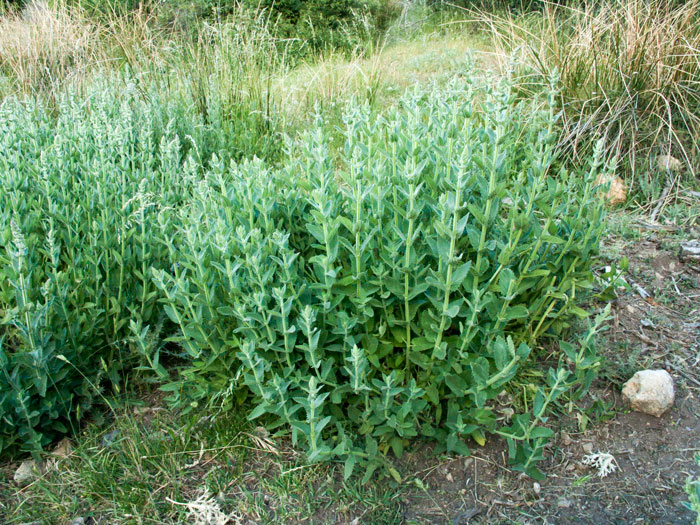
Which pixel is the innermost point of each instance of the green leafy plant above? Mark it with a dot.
(692, 488)
(394, 292)
(85, 196)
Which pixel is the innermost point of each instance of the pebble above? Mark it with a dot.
(109, 438)
(26, 472)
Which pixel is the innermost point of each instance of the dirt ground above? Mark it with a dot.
(656, 324)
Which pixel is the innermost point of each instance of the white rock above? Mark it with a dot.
(26, 472)
(667, 162)
(690, 250)
(649, 391)
(63, 449)
(564, 503)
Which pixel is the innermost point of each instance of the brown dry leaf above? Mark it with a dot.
(261, 438)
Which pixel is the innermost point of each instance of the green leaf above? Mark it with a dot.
(480, 372)
(397, 446)
(349, 467)
(460, 274)
(541, 432)
(256, 412)
(504, 282)
(456, 384)
(394, 474)
(516, 312)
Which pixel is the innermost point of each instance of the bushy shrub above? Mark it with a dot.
(87, 196)
(394, 292)
(315, 25)
(79, 202)
(303, 26)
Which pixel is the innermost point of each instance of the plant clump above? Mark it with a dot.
(85, 197)
(360, 301)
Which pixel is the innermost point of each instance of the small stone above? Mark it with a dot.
(587, 448)
(449, 477)
(26, 472)
(109, 438)
(63, 449)
(617, 192)
(690, 250)
(667, 162)
(565, 439)
(537, 488)
(650, 392)
(564, 503)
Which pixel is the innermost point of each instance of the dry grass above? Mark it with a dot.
(48, 46)
(378, 76)
(45, 44)
(630, 71)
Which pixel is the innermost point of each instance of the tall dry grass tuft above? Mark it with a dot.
(44, 44)
(630, 71)
(227, 73)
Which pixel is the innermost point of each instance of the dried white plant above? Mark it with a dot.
(605, 463)
(205, 510)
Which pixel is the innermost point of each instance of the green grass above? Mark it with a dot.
(142, 465)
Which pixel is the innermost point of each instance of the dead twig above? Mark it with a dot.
(662, 202)
(683, 373)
